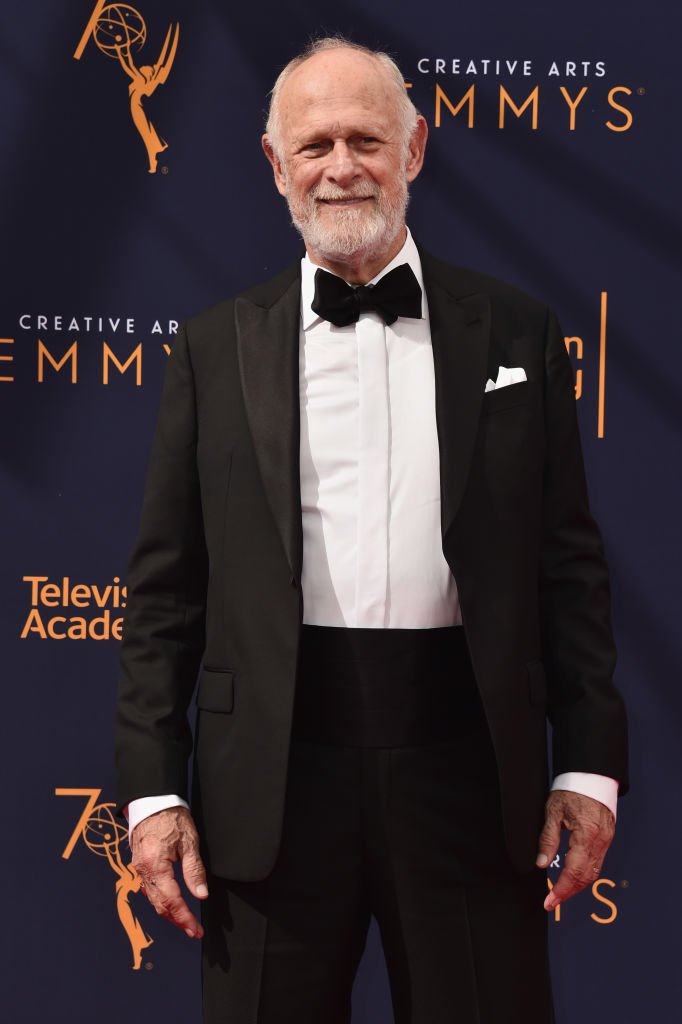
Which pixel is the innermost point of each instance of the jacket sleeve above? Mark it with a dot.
(163, 637)
(585, 709)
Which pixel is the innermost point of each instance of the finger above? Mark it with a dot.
(565, 886)
(165, 896)
(550, 837)
(579, 871)
(582, 865)
(163, 892)
(194, 872)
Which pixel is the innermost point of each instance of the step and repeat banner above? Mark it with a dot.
(134, 194)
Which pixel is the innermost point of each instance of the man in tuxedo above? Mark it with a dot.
(365, 530)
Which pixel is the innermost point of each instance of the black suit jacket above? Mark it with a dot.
(215, 580)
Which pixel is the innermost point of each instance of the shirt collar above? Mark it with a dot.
(408, 254)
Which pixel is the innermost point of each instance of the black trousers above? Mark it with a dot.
(393, 812)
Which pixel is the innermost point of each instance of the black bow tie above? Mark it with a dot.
(396, 294)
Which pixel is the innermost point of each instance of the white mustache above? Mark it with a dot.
(357, 192)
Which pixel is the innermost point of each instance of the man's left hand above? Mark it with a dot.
(591, 825)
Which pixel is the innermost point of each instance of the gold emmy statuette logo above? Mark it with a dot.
(118, 31)
(103, 836)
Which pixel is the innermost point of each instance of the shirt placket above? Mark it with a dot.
(371, 581)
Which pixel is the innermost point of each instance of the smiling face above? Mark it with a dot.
(343, 162)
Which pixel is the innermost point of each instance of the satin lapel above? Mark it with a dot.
(268, 343)
(460, 334)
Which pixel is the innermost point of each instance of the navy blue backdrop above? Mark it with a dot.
(554, 162)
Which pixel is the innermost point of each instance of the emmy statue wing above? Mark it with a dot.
(163, 66)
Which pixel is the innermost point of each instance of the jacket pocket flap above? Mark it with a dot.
(216, 690)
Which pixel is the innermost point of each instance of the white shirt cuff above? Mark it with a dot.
(144, 806)
(599, 787)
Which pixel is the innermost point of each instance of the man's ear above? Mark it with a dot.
(276, 164)
(416, 149)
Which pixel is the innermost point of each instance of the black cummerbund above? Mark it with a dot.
(384, 687)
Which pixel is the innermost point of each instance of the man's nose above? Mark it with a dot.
(343, 166)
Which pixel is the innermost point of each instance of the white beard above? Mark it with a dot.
(353, 230)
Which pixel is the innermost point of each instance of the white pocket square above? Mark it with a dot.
(506, 375)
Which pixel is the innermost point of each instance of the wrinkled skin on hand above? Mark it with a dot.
(591, 825)
(157, 843)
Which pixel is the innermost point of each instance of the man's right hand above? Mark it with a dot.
(157, 843)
